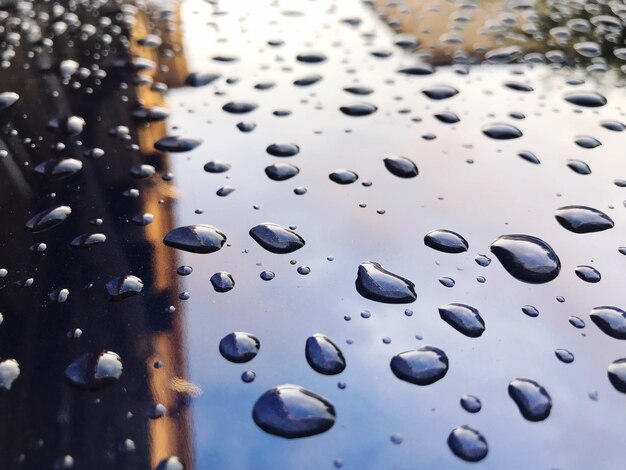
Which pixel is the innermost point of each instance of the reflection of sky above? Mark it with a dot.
(500, 193)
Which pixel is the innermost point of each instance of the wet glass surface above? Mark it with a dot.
(164, 183)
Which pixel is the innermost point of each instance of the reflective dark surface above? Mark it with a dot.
(110, 338)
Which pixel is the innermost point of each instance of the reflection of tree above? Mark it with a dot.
(446, 29)
(43, 417)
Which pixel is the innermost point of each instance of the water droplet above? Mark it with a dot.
(267, 275)
(587, 142)
(530, 311)
(304, 270)
(87, 240)
(423, 366)
(527, 258)
(248, 376)
(578, 166)
(418, 69)
(441, 92)
(446, 281)
(376, 283)
(576, 322)
(358, 109)
(311, 57)
(323, 355)
(471, 404)
(9, 372)
(343, 176)
(216, 166)
(176, 144)
(184, 270)
(153, 114)
(447, 117)
(564, 355)
(8, 99)
(529, 157)
(482, 260)
(58, 169)
(239, 107)
(359, 90)
(582, 219)
(532, 399)
(198, 79)
(170, 463)
(588, 99)
(401, 167)
(501, 131)
(93, 371)
(281, 171)
(225, 191)
(588, 273)
(614, 126)
(70, 126)
(307, 80)
(283, 150)
(245, 126)
(222, 281)
(291, 411)
(616, 373)
(276, 239)
(48, 219)
(463, 318)
(239, 347)
(446, 241)
(468, 444)
(120, 288)
(195, 239)
(611, 320)
(518, 86)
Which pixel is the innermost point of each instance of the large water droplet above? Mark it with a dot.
(401, 167)
(611, 320)
(58, 169)
(176, 144)
(582, 219)
(239, 107)
(617, 374)
(93, 371)
(531, 398)
(281, 171)
(323, 355)
(587, 142)
(276, 239)
(578, 166)
(195, 239)
(468, 444)
(291, 411)
(441, 92)
(446, 241)
(343, 176)
(423, 366)
(311, 57)
(216, 166)
(8, 99)
(588, 273)
(88, 239)
(283, 150)
(48, 219)
(222, 281)
(358, 109)
(376, 283)
(588, 99)
(9, 371)
(239, 347)
(307, 80)
(122, 287)
(527, 258)
(463, 318)
(501, 131)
